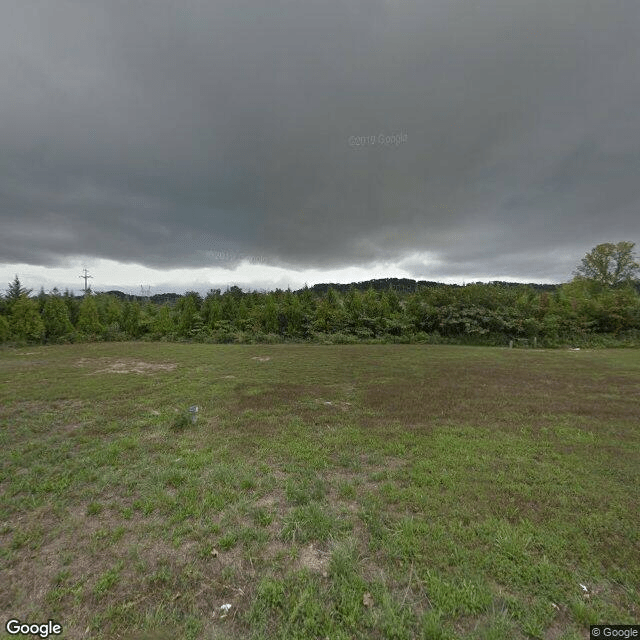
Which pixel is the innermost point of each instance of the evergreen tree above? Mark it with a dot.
(212, 310)
(56, 317)
(5, 331)
(243, 319)
(354, 308)
(14, 292)
(131, 319)
(42, 300)
(25, 322)
(270, 315)
(293, 315)
(109, 311)
(163, 324)
(329, 315)
(190, 320)
(393, 301)
(73, 306)
(88, 319)
(230, 307)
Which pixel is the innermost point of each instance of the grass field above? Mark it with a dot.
(386, 491)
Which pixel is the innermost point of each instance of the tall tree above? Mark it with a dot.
(609, 264)
(42, 300)
(109, 310)
(73, 305)
(25, 322)
(56, 317)
(211, 310)
(269, 315)
(16, 289)
(131, 318)
(14, 292)
(164, 324)
(188, 309)
(5, 331)
(88, 319)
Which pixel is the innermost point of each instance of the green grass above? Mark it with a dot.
(356, 491)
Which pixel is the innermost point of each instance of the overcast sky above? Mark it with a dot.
(262, 143)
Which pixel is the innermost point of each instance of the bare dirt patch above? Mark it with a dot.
(126, 366)
(313, 559)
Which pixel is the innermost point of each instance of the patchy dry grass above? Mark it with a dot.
(384, 491)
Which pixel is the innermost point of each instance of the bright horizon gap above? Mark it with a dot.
(248, 277)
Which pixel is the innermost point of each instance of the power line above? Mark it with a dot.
(86, 277)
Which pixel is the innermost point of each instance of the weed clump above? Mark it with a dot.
(181, 422)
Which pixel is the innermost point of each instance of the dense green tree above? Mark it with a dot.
(306, 296)
(73, 306)
(110, 310)
(88, 319)
(610, 264)
(616, 310)
(163, 324)
(186, 311)
(14, 292)
(189, 319)
(330, 317)
(243, 313)
(269, 315)
(196, 297)
(56, 317)
(418, 313)
(293, 316)
(25, 321)
(393, 301)
(42, 300)
(132, 319)
(353, 309)
(230, 303)
(5, 331)
(212, 310)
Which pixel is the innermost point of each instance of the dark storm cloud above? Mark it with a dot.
(494, 136)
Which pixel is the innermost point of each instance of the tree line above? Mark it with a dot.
(599, 306)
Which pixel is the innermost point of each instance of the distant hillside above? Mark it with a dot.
(401, 285)
(159, 298)
(406, 285)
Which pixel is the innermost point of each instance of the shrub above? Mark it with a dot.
(181, 422)
(4, 329)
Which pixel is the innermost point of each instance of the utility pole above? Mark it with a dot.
(86, 277)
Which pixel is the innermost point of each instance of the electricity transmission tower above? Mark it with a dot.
(86, 277)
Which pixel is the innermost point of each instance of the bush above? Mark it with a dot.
(113, 333)
(181, 422)
(4, 329)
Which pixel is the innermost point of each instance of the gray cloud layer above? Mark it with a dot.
(161, 133)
